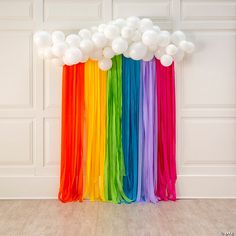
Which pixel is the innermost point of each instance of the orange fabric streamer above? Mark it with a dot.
(71, 181)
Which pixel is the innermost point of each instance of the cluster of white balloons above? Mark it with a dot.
(133, 37)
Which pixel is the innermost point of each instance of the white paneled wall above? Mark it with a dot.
(30, 91)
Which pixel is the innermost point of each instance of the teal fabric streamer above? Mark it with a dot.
(130, 124)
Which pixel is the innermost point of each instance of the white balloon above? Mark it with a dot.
(150, 37)
(96, 55)
(159, 53)
(119, 45)
(187, 46)
(84, 57)
(163, 38)
(111, 31)
(133, 21)
(108, 52)
(171, 49)
(85, 34)
(191, 47)
(58, 37)
(156, 28)
(179, 55)
(41, 53)
(111, 22)
(166, 60)
(59, 49)
(73, 40)
(57, 62)
(149, 56)
(126, 54)
(94, 29)
(66, 62)
(177, 37)
(137, 50)
(72, 56)
(99, 39)
(127, 32)
(101, 27)
(86, 45)
(42, 39)
(183, 45)
(136, 36)
(145, 24)
(109, 43)
(153, 48)
(120, 22)
(48, 54)
(105, 64)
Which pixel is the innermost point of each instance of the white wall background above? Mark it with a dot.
(30, 91)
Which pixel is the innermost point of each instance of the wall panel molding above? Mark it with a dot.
(208, 141)
(16, 10)
(208, 10)
(16, 85)
(71, 10)
(208, 80)
(52, 86)
(52, 137)
(157, 10)
(17, 142)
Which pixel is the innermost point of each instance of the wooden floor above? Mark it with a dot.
(52, 218)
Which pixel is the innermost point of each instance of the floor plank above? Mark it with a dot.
(197, 217)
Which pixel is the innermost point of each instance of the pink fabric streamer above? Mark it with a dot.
(166, 178)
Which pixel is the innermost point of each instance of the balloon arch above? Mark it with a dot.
(138, 39)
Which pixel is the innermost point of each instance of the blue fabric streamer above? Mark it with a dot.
(130, 124)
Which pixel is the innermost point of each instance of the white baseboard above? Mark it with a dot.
(188, 187)
(206, 186)
(29, 187)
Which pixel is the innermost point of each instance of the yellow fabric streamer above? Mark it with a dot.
(95, 112)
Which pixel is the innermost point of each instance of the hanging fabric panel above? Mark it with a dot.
(148, 133)
(130, 124)
(166, 132)
(95, 108)
(114, 163)
(71, 181)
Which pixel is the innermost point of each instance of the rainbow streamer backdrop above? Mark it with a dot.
(118, 132)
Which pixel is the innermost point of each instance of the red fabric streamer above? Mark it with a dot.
(71, 181)
(165, 189)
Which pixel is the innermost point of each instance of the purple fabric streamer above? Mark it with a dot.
(147, 133)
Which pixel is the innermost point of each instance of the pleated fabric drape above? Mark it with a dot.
(166, 157)
(118, 132)
(148, 133)
(130, 124)
(72, 130)
(114, 162)
(95, 121)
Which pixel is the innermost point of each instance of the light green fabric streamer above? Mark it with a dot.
(114, 162)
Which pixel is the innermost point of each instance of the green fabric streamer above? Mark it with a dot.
(114, 162)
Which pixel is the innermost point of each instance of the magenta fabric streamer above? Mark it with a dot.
(165, 188)
(147, 133)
